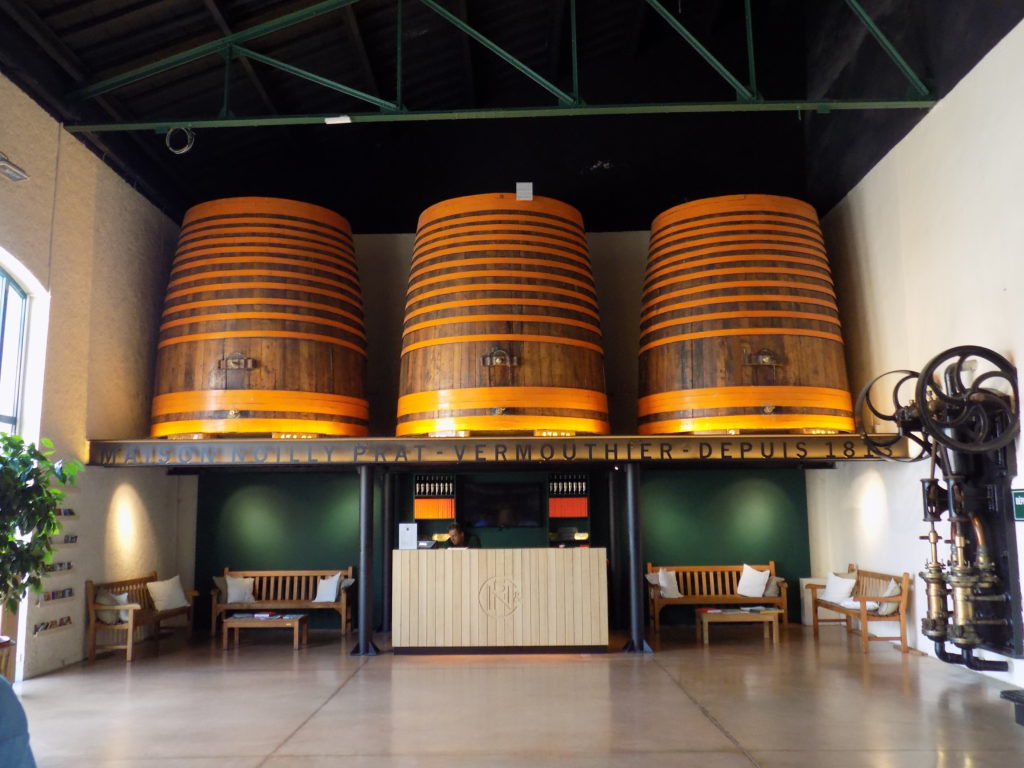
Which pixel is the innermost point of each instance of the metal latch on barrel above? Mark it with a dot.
(763, 360)
(236, 362)
(498, 356)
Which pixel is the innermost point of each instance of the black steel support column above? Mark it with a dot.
(637, 643)
(387, 537)
(364, 644)
(614, 567)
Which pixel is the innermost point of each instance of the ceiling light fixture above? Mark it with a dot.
(339, 120)
(10, 170)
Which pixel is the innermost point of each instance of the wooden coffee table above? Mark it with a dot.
(768, 619)
(298, 622)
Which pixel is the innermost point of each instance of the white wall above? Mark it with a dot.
(927, 255)
(102, 253)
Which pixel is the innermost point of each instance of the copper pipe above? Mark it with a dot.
(979, 532)
(983, 560)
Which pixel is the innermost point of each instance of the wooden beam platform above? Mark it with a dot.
(485, 451)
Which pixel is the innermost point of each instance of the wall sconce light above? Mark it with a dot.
(10, 170)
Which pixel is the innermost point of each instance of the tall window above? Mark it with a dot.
(13, 306)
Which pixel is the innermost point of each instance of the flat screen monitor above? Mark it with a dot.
(501, 504)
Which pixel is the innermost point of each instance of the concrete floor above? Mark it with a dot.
(737, 703)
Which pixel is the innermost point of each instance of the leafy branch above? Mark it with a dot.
(30, 494)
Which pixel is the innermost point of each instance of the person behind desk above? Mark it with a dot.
(457, 538)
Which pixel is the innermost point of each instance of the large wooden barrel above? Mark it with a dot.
(739, 329)
(262, 329)
(502, 334)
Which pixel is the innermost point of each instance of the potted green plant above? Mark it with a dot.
(29, 502)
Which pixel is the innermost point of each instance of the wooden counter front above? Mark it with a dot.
(499, 598)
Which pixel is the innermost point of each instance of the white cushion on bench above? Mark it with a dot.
(668, 583)
(855, 604)
(167, 594)
(752, 582)
(240, 590)
(772, 588)
(327, 589)
(893, 590)
(105, 597)
(837, 588)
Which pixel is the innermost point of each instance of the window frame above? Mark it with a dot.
(9, 421)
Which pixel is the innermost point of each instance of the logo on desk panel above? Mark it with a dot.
(500, 597)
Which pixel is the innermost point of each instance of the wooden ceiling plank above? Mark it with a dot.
(916, 83)
(213, 6)
(44, 37)
(41, 34)
(463, 25)
(355, 35)
(467, 57)
(214, 47)
(555, 39)
(742, 92)
(634, 37)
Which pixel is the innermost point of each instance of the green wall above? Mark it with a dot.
(311, 520)
(272, 521)
(727, 516)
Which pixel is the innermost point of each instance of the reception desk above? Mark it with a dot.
(499, 599)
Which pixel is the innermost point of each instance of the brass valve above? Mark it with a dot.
(936, 625)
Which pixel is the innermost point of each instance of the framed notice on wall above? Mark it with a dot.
(1018, 505)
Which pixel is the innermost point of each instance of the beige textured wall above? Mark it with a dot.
(619, 261)
(29, 137)
(383, 262)
(103, 253)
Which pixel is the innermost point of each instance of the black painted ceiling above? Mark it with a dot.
(619, 170)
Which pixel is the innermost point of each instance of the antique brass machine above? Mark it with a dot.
(961, 412)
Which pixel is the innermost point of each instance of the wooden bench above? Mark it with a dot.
(710, 585)
(289, 591)
(870, 586)
(141, 613)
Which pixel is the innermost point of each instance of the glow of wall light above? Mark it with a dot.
(758, 505)
(869, 503)
(129, 536)
(253, 518)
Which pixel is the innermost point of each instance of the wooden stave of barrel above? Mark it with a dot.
(262, 328)
(768, 357)
(496, 280)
